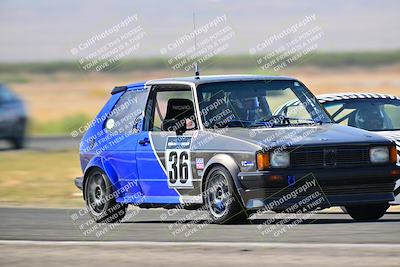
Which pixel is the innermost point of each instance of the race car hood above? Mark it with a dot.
(316, 135)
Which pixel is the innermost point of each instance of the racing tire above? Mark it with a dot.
(222, 201)
(369, 212)
(18, 141)
(100, 201)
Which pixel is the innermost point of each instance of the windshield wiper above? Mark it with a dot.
(274, 121)
(279, 120)
(234, 123)
(306, 121)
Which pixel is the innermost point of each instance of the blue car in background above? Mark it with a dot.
(13, 117)
(226, 144)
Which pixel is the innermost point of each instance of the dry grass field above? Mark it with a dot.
(54, 97)
(43, 179)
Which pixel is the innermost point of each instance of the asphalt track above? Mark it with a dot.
(44, 144)
(176, 226)
(44, 237)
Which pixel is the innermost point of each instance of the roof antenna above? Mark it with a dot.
(196, 66)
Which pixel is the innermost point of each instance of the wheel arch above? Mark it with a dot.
(103, 165)
(227, 162)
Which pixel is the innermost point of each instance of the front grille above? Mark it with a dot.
(330, 157)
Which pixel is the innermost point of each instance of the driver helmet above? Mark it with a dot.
(370, 118)
(245, 107)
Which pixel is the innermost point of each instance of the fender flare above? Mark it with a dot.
(100, 163)
(230, 164)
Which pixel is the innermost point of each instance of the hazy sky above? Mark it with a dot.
(48, 29)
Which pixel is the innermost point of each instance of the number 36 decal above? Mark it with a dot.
(177, 157)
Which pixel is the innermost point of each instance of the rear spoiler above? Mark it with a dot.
(118, 89)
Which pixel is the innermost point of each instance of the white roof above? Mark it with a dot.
(341, 96)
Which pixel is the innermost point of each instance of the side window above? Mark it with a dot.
(392, 115)
(172, 108)
(127, 114)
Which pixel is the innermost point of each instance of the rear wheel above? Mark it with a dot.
(100, 200)
(369, 212)
(221, 198)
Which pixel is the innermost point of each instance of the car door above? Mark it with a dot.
(122, 130)
(163, 157)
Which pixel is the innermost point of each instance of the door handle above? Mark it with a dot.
(145, 141)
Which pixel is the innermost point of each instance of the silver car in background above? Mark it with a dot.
(378, 113)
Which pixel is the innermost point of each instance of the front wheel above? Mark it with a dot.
(368, 212)
(18, 140)
(100, 200)
(221, 198)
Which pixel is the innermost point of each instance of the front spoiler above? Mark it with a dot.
(255, 203)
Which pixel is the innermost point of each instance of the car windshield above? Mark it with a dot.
(273, 103)
(367, 114)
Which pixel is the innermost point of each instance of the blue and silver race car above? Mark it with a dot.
(223, 143)
(379, 113)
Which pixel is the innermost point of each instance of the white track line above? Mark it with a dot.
(195, 244)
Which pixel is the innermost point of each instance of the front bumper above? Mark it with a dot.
(338, 187)
(79, 182)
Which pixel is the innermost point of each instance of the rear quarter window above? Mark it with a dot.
(127, 114)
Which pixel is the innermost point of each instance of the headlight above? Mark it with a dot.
(280, 159)
(379, 154)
